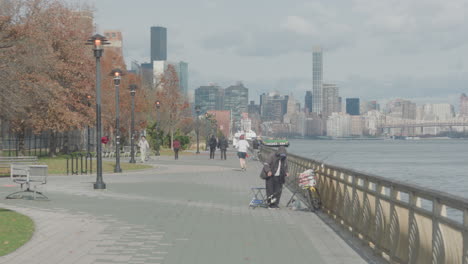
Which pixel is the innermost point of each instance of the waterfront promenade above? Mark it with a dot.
(190, 211)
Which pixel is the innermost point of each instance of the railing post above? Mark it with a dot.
(438, 252)
(465, 236)
(394, 237)
(378, 220)
(67, 165)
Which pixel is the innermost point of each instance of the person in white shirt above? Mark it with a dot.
(144, 147)
(242, 146)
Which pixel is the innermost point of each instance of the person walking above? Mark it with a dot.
(213, 143)
(242, 146)
(176, 147)
(276, 169)
(223, 145)
(144, 147)
(255, 145)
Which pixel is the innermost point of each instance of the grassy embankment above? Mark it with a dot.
(15, 230)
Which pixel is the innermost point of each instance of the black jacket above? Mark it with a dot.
(213, 143)
(271, 164)
(223, 144)
(255, 144)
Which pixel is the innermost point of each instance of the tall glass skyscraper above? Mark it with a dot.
(352, 106)
(308, 101)
(158, 44)
(317, 77)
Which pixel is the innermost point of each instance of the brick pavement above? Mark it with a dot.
(190, 211)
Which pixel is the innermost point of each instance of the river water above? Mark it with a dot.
(436, 164)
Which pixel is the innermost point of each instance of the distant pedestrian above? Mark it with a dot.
(255, 146)
(276, 168)
(144, 147)
(223, 145)
(176, 147)
(242, 146)
(212, 143)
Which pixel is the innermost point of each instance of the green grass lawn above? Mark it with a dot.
(15, 230)
(59, 165)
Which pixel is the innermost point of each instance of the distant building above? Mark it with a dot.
(330, 99)
(339, 125)
(435, 112)
(223, 120)
(147, 75)
(317, 76)
(253, 108)
(158, 44)
(313, 125)
(236, 99)
(463, 105)
(115, 39)
(357, 125)
(373, 121)
(273, 106)
(209, 98)
(400, 108)
(181, 68)
(182, 73)
(308, 102)
(352, 106)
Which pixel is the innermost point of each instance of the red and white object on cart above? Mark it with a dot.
(307, 179)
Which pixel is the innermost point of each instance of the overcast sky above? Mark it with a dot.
(414, 49)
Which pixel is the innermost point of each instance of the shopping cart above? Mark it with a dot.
(258, 197)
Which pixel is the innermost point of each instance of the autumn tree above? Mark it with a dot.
(175, 110)
(50, 71)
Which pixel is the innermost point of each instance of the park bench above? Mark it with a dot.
(5, 162)
(26, 172)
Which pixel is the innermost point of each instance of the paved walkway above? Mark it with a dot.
(190, 211)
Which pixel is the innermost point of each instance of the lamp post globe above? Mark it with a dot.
(117, 74)
(133, 88)
(197, 110)
(98, 41)
(158, 145)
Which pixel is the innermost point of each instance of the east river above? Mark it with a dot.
(436, 164)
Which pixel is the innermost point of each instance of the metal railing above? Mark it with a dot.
(403, 223)
(79, 164)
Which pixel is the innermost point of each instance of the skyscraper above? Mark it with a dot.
(317, 76)
(158, 44)
(330, 99)
(236, 99)
(352, 106)
(463, 105)
(209, 97)
(308, 102)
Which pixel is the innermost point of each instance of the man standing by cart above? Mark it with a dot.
(276, 168)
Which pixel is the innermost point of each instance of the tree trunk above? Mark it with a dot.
(172, 137)
(66, 144)
(52, 144)
(21, 137)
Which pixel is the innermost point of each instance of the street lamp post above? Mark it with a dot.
(133, 88)
(207, 129)
(117, 73)
(98, 41)
(197, 110)
(158, 105)
(88, 147)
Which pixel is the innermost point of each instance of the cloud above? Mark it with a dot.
(414, 25)
(291, 35)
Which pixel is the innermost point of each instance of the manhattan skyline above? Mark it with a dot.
(413, 49)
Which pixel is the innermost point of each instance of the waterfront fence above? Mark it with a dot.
(402, 222)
